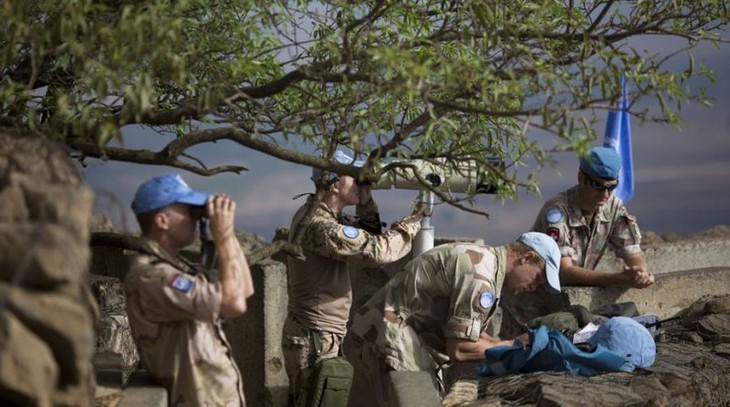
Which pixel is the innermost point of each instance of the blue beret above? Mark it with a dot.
(165, 190)
(340, 157)
(601, 162)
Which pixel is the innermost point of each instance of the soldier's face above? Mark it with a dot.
(180, 224)
(525, 277)
(348, 191)
(594, 193)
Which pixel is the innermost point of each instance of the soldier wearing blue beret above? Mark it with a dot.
(587, 219)
(174, 311)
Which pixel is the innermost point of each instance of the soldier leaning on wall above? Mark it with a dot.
(437, 310)
(587, 219)
(175, 313)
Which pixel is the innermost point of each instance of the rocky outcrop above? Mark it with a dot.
(47, 312)
(692, 368)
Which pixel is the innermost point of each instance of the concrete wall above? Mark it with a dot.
(256, 337)
(684, 255)
(672, 291)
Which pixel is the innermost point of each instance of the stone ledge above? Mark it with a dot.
(671, 292)
(143, 391)
(682, 255)
(412, 389)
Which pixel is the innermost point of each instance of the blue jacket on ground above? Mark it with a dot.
(551, 351)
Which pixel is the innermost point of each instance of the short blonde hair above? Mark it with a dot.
(520, 249)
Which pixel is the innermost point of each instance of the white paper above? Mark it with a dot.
(586, 333)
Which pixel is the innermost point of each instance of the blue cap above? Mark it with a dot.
(164, 190)
(602, 162)
(546, 247)
(340, 157)
(629, 339)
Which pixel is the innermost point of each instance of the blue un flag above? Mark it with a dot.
(618, 137)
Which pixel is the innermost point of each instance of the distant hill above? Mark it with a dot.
(719, 231)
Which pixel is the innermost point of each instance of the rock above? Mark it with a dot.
(687, 372)
(48, 311)
(28, 372)
(40, 251)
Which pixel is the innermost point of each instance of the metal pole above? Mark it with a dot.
(424, 238)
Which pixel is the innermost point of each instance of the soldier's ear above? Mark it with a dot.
(530, 257)
(334, 186)
(161, 220)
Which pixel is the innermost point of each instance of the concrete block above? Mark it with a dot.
(413, 389)
(255, 337)
(143, 391)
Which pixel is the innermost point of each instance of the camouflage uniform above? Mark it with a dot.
(585, 242)
(174, 315)
(450, 291)
(580, 238)
(320, 294)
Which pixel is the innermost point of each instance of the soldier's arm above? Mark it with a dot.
(464, 350)
(358, 246)
(368, 215)
(233, 271)
(571, 274)
(626, 241)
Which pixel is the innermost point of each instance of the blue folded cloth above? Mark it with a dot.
(619, 345)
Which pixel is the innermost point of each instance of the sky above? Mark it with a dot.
(681, 177)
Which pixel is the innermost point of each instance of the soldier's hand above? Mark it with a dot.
(421, 209)
(638, 276)
(524, 339)
(221, 212)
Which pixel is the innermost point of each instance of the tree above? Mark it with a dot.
(450, 80)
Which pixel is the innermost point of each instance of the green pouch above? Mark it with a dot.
(331, 381)
(560, 321)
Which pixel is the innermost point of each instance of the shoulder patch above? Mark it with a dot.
(183, 284)
(554, 233)
(350, 232)
(554, 215)
(486, 299)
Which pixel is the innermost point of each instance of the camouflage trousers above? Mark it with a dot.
(370, 373)
(300, 354)
(392, 345)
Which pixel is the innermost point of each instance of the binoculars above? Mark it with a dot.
(199, 211)
(463, 177)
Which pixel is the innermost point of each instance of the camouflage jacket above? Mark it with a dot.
(174, 315)
(450, 291)
(585, 241)
(320, 294)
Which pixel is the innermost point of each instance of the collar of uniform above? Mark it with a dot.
(156, 250)
(575, 217)
(501, 253)
(323, 206)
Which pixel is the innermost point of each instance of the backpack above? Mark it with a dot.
(330, 380)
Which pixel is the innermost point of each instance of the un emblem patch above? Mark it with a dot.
(183, 284)
(350, 232)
